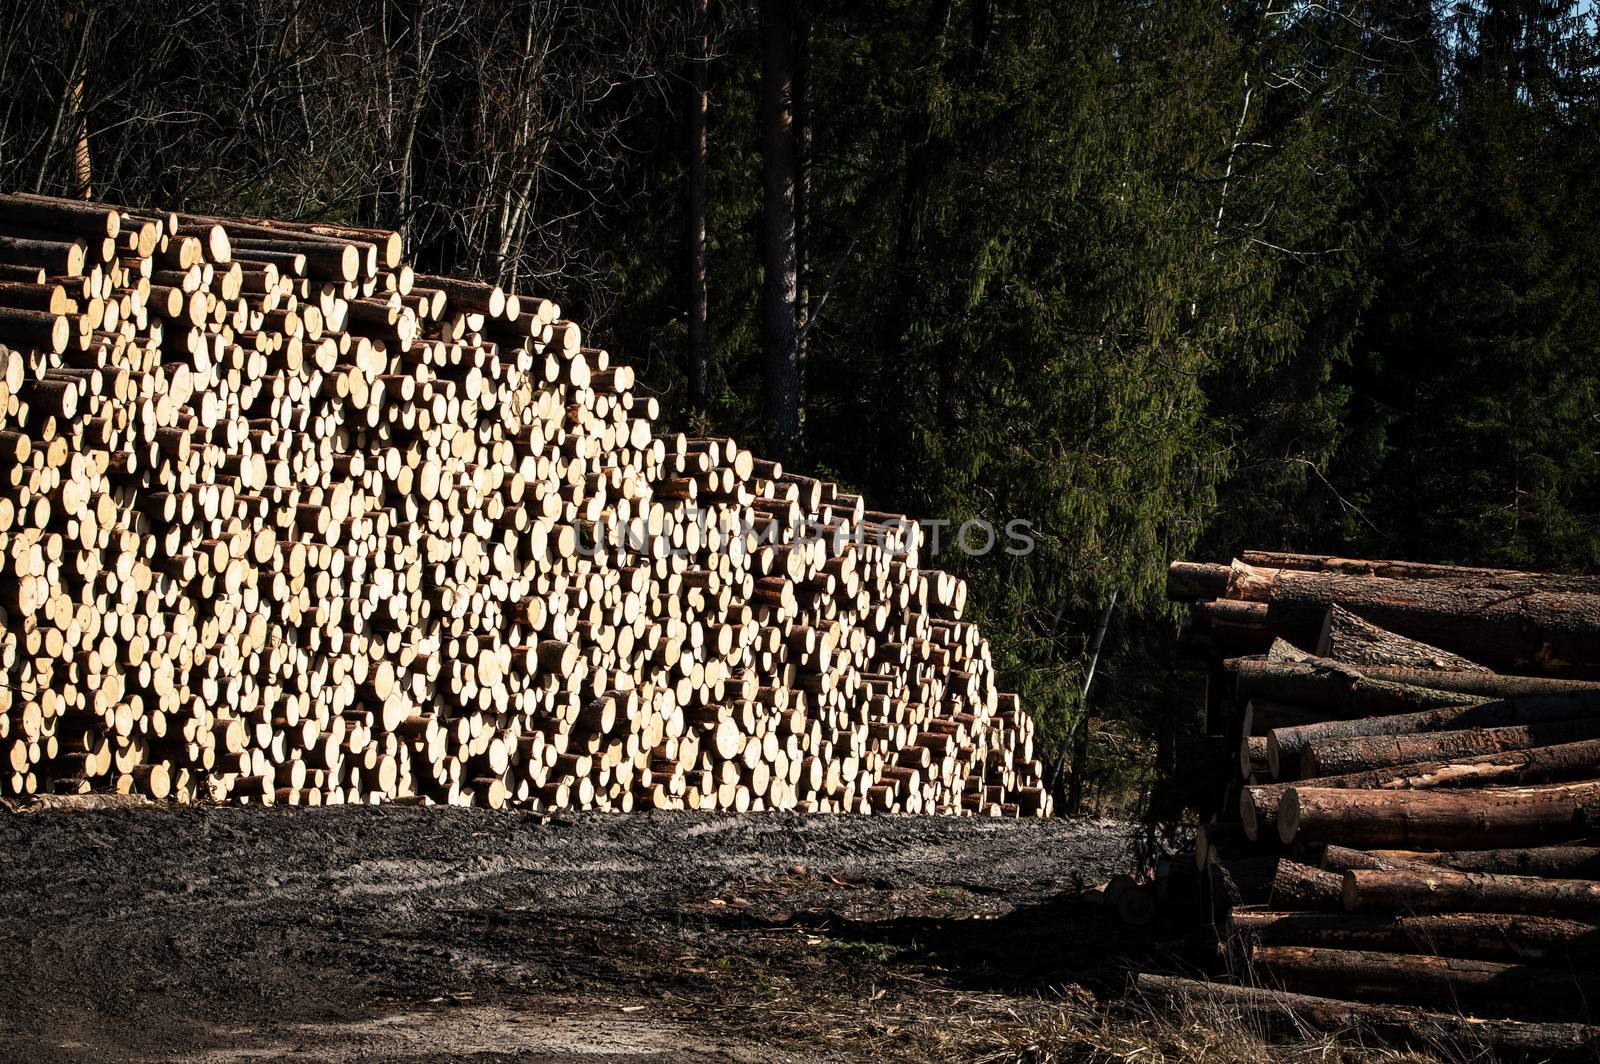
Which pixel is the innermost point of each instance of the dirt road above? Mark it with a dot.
(425, 934)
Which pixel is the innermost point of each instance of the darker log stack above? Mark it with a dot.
(1413, 817)
(285, 522)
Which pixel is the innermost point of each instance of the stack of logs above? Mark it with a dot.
(1411, 837)
(285, 521)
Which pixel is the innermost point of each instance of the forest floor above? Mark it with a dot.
(401, 934)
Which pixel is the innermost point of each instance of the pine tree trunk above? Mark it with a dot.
(802, 199)
(82, 178)
(1367, 753)
(1440, 982)
(1505, 937)
(1483, 684)
(1442, 890)
(1353, 641)
(698, 360)
(1258, 806)
(1284, 745)
(780, 268)
(1403, 570)
(1511, 628)
(1340, 690)
(1301, 887)
(1476, 683)
(1551, 862)
(1436, 820)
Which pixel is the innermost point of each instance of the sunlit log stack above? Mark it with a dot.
(286, 522)
(1415, 813)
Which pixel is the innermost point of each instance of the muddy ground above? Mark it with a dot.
(426, 934)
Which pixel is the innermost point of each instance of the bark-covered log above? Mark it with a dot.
(1297, 886)
(1505, 937)
(1283, 1014)
(1483, 684)
(1439, 819)
(1285, 744)
(1515, 630)
(1230, 627)
(1231, 613)
(1551, 862)
(1336, 689)
(1252, 755)
(1444, 890)
(1365, 753)
(1404, 570)
(1352, 641)
(1258, 806)
(1345, 859)
(1484, 987)
(1194, 581)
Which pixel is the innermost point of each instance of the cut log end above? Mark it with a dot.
(1289, 816)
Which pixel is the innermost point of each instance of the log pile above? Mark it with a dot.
(1413, 818)
(284, 521)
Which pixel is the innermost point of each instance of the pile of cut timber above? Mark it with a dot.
(1413, 821)
(284, 521)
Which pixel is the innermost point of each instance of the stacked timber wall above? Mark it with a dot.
(284, 521)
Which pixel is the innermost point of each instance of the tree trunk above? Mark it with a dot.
(1286, 744)
(922, 157)
(1352, 641)
(780, 269)
(1253, 756)
(698, 342)
(1194, 581)
(1483, 684)
(71, 96)
(1284, 1014)
(1339, 690)
(82, 178)
(1297, 886)
(1258, 806)
(1080, 762)
(1552, 862)
(1366, 753)
(802, 196)
(1438, 820)
(1402, 570)
(1345, 859)
(1445, 982)
(1504, 937)
(1509, 629)
(1443, 890)
(1234, 628)
(1080, 734)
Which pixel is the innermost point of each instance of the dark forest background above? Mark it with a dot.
(1163, 277)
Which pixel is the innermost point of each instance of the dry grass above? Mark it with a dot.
(921, 1022)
